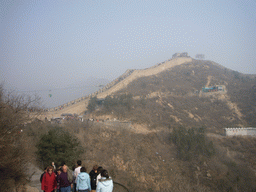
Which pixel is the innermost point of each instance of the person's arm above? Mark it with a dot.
(43, 182)
(98, 187)
(77, 184)
(55, 182)
(41, 178)
(89, 183)
(112, 185)
(58, 178)
(76, 173)
(97, 179)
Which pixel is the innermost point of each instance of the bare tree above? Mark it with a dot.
(13, 116)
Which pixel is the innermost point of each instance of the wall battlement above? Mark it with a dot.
(248, 131)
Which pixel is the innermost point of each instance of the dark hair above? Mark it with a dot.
(83, 169)
(49, 167)
(45, 168)
(100, 169)
(63, 163)
(79, 162)
(95, 167)
(60, 168)
(74, 167)
(104, 173)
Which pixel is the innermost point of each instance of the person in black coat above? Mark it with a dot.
(93, 175)
(41, 178)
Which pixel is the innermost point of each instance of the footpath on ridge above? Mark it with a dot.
(80, 107)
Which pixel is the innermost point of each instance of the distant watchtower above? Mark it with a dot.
(184, 54)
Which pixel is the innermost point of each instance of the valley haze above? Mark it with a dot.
(158, 119)
(55, 45)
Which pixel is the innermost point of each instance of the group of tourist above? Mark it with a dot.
(65, 180)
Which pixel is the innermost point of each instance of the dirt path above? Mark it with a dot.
(209, 78)
(232, 106)
(135, 128)
(78, 108)
(34, 173)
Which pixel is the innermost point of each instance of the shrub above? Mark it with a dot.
(13, 156)
(92, 104)
(119, 103)
(191, 143)
(58, 146)
(124, 100)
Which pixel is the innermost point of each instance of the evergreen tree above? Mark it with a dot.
(191, 143)
(92, 104)
(58, 145)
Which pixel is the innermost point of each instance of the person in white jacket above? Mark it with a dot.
(105, 184)
(76, 172)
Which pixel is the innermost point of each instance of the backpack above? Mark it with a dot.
(41, 178)
(70, 176)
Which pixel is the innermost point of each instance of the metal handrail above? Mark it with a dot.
(121, 186)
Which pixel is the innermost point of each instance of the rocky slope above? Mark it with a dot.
(175, 86)
(175, 96)
(118, 84)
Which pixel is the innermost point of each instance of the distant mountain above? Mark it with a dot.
(178, 92)
(192, 93)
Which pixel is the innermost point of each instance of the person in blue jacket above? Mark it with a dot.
(83, 183)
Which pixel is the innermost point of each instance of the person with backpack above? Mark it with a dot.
(83, 183)
(93, 175)
(41, 178)
(105, 184)
(69, 173)
(49, 183)
(64, 180)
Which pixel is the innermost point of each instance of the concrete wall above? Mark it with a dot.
(249, 131)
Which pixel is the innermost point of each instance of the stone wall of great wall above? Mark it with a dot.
(105, 88)
(248, 131)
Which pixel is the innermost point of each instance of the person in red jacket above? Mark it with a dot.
(49, 182)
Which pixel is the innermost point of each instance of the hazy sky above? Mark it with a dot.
(54, 44)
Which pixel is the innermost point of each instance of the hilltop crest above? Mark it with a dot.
(188, 92)
(135, 74)
(181, 82)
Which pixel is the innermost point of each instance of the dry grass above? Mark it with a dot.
(13, 153)
(146, 160)
(178, 87)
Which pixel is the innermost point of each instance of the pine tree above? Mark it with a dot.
(57, 146)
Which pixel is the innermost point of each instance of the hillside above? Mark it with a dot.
(174, 97)
(120, 83)
(139, 150)
(173, 92)
(147, 160)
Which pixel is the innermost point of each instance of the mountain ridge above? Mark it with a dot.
(122, 83)
(179, 95)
